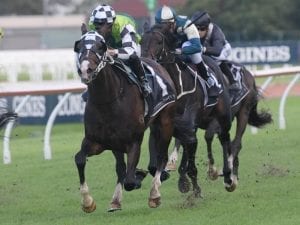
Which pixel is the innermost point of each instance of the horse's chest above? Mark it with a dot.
(113, 126)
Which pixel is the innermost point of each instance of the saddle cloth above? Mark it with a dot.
(162, 93)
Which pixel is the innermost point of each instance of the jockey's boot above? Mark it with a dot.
(214, 88)
(138, 69)
(234, 86)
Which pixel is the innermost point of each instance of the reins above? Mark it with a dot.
(165, 52)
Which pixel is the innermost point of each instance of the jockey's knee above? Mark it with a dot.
(134, 58)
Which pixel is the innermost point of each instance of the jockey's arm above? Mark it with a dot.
(194, 39)
(129, 43)
(216, 43)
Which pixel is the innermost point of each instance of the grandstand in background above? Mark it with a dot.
(48, 32)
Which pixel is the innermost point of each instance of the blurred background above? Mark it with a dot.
(36, 24)
(36, 44)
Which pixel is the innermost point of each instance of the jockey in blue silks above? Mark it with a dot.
(192, 47)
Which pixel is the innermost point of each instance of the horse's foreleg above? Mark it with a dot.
(183, 182)
(87, 203)
(192, 169)
(225, 141)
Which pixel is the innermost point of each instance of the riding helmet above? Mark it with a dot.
(165, 15)
(103, 14)
(201, 19)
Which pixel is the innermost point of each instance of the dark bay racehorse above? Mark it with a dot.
(114, 120)
(192, 111)
(245, 111)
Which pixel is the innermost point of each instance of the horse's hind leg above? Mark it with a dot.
(153, 154)
(87, 203)
(171, 165)
(212, 171)
(236, 144)
(121, 173)
(163, 136)
(133, 156)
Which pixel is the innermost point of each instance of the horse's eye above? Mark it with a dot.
(89, 70)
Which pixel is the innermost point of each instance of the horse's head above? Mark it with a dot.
(157, 43)
(91, 49)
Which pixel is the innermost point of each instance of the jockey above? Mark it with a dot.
(120, 32)
(192, 47)
(215, 44)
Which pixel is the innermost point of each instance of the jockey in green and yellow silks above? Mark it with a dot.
(119, 32)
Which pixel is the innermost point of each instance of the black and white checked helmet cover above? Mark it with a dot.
(90, 39)
(103, 14)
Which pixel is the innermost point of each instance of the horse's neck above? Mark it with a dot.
(106, 87)
(175, 73)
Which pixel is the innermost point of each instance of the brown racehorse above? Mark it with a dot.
(244, 110)
(158, 43)
(114, 120)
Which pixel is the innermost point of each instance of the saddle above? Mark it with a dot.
(162, 93)
(238, 75)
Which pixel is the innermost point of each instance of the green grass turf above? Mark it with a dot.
(37, 191)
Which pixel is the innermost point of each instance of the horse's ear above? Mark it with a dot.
(76, 46)
(146, 27)
(84, 29)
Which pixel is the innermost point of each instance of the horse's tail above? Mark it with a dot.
(258, 119)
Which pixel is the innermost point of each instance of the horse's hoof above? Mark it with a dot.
(89, 209)
(114, 207)
(154, 202)
(230, 187)
(184, 184)
(171, 166)
(212, 173)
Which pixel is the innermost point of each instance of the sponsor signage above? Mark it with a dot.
(266, 53)
(39, 107)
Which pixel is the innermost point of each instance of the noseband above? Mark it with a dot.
(102, 60)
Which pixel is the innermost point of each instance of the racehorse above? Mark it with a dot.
(158, 43)
(114, 120)
(244, 109)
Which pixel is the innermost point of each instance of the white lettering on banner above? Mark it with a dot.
(263, 54)
(3, 105)
(73, 106)
(34, 107)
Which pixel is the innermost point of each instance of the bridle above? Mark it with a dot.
(164, 52)
(101, 61)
